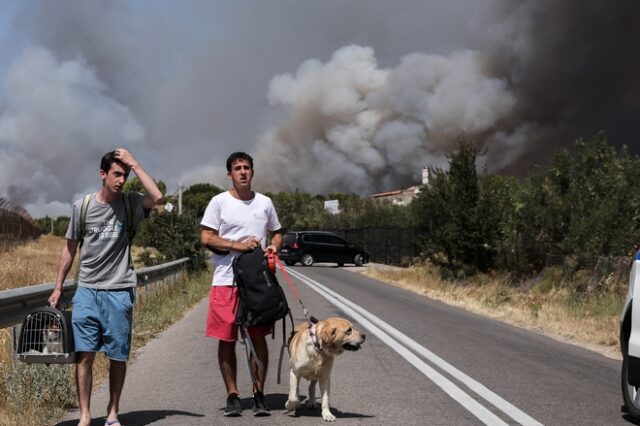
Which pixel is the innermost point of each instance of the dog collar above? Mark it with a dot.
(314, 337)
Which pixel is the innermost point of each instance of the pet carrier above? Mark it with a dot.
(46, 337)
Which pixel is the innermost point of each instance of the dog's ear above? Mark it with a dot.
(327, 334)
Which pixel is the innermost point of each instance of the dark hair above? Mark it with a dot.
(239, 156)
(107, 160)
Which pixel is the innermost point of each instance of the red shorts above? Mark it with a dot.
(221, 319)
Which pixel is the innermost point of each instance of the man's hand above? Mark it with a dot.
(154, 196)
(272, 248)
(55, 298)
(126, 157)
(247, 245)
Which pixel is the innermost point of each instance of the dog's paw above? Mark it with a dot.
(327, 416)
(291, 405)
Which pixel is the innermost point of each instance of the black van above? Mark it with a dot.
(308, 247)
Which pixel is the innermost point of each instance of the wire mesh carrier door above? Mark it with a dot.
(46, 337)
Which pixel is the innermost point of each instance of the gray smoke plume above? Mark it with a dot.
(546, 74)
(358, 128)
(55, 116)
(392, 85)
(574, 68)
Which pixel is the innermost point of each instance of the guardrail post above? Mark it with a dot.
(15, 337)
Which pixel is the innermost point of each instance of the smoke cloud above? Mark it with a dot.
(57, 115)
(546, 74)
(329, 96)
(358, 128)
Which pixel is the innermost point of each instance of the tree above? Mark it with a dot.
(134, 185)
(496, 221)
(299, 210)
(174, 236)
(448, 209)
(196, 198)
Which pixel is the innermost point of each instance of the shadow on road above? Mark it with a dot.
(630, 419)
(138, 418)
(276, 402)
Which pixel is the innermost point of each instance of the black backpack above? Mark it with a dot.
(262, 300)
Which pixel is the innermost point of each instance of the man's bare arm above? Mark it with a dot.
(276, 241)
(64, 265)
(210, 239)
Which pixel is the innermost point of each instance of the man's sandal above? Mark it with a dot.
(113, 422)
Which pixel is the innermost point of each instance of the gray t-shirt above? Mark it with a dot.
(104, 256)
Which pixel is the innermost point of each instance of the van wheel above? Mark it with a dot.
(289, 262)
(340, 264)
(358, 259)
(630, 393)
(306, 259)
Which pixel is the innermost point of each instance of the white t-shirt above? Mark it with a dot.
(238, 220)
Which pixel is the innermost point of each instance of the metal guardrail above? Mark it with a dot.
(16, 303)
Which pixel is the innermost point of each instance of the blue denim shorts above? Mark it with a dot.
(102, 321)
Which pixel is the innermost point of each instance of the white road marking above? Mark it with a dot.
(385, 332)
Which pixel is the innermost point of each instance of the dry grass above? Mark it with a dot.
(591, 322)
(34, 262)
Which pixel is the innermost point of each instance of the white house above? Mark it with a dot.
(402, 197)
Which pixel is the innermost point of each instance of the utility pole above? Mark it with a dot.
(179, 198)
(51, 226)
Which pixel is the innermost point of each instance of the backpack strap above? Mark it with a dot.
(126, 198)
(127, 209)
(84, 207)
(83, 216)
(251, 353)
(285, 342)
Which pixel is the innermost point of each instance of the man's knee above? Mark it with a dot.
(260, 343)
(226, 349)
(85, 358)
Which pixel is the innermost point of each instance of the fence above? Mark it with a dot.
(391, 246)
(16, 225)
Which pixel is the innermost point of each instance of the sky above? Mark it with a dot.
(352, 96)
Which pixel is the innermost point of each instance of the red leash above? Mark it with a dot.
(272, 259)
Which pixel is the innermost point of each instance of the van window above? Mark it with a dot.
(317, 238)
(337, 240)
(288, 239)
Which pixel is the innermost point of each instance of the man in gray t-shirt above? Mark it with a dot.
(104, 258)
(103, 303)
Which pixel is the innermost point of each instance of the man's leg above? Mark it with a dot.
(228, 365)
(228, 368)
(262, 351)
(260, 407)
(118, 325)
(117, 373)
(84, 376)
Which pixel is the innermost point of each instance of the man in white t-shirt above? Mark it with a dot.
(237, 221)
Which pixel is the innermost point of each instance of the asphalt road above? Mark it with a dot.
(423, 363)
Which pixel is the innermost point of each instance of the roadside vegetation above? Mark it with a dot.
(546, 303)
(34, 262)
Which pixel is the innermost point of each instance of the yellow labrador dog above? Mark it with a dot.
(312, 350)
